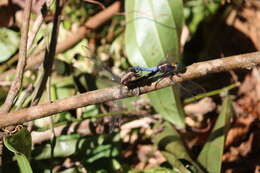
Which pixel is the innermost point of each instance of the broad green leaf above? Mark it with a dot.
(168, 105)
(170, 144)
(152, 34)
(20, 144)
(211, 155)
(63, 148)
(9, 43)
(93, 148)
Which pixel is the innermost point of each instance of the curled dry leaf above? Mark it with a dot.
(247, 106)
(148, 157)
(248, 21)
(196, 111)
(250, 94)
(235, 152)
(127, 127)
(239, 129)
(202, 107)
(242, 142)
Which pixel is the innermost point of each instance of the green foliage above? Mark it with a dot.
(9, 43)
(20, 144)
(91, 151)
(211, 155)
(76, 11)
(153, 30)
(198, 10)
(153, 34)
(170, 143)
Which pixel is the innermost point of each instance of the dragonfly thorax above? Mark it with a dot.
(167, 67)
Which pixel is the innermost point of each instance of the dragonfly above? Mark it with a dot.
(166, 68)
(132, 79)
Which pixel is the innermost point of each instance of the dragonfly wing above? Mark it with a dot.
(191, 89)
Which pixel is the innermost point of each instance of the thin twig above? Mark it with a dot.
(48, 58)
(17, 83)
(211, 93)
(23, 97)
(37, 24)
(75, 37)
(97, 3)
(245, 61)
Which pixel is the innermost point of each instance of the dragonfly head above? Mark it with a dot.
(179, 68)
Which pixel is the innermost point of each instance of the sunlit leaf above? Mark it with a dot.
(9, 43)
(72, 144)
(153, 36)
(63, 148)
(20, 144)
(211, 155)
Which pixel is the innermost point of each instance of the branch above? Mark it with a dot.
(17, 83)
(37, 23)
(246, 61)
(75, 37)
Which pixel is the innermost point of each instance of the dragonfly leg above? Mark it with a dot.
(163, 76)
(136, 91)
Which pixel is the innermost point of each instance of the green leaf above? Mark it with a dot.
(102, 151)
(90, 147)
(63, 148)
(211, 155)
(9, 43)
(20, 144)
(175, 162)
(170, 144)
(152, 34)
(168, 105)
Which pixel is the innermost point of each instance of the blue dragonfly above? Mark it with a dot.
(132, 78)
(166, 68)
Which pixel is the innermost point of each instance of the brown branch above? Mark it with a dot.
(97, 3)
(196, 70)
(93, 23)
(17, 83)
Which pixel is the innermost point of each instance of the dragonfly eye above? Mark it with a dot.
(180, 68)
